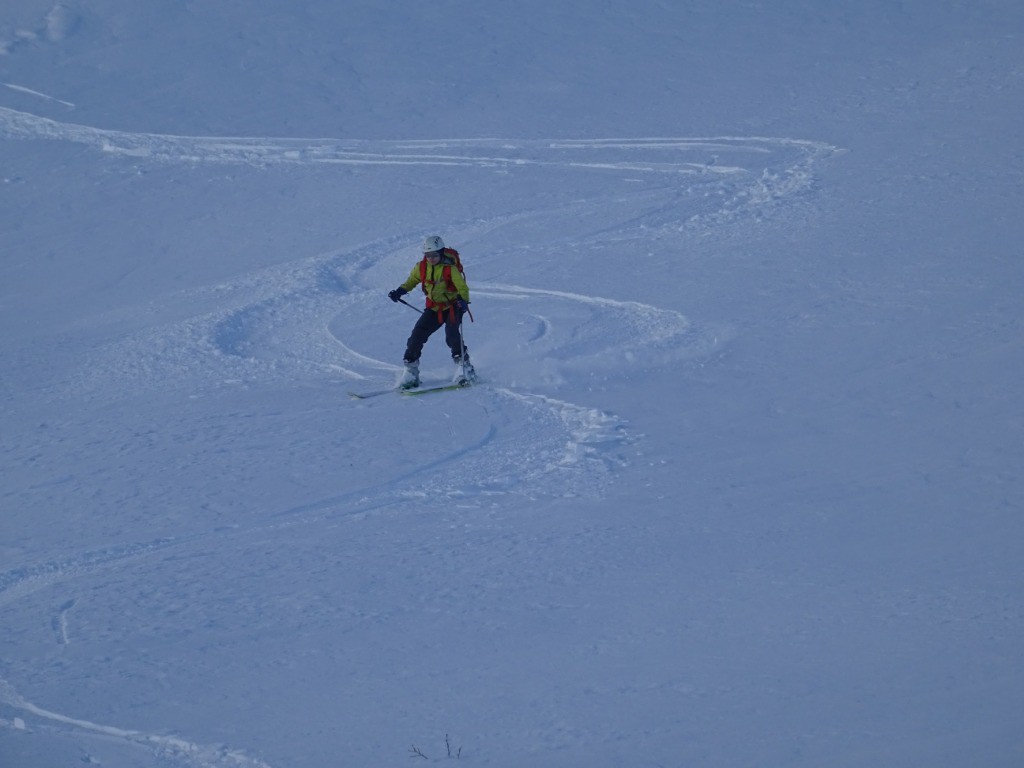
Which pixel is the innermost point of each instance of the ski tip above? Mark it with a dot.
(368, 395)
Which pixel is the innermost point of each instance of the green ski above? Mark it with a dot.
(429, 390)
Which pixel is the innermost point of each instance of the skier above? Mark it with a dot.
(440, 275)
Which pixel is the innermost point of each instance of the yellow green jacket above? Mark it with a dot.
(439, 293)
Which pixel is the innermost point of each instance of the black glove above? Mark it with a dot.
(396, 294)
(461, 304)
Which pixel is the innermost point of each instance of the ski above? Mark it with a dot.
(367, 395)
(430, 390)
(412, 391)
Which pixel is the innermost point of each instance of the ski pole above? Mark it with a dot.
(462, 351)
(410, 306)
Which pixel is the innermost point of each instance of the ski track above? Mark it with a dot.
(275, 324)
(170, 749)
(19, 583)
(679, 156)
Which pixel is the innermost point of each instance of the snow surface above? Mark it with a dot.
(741, 485)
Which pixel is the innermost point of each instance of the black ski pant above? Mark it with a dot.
(425, 327)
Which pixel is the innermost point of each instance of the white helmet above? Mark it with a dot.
(433, 243)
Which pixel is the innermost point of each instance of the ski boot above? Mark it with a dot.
(410, 376)
(464, 371)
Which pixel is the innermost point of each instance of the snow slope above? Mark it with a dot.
(741, 482)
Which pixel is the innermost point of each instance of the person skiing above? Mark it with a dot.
(440, 275)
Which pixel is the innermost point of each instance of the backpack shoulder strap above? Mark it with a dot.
(446, 273)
